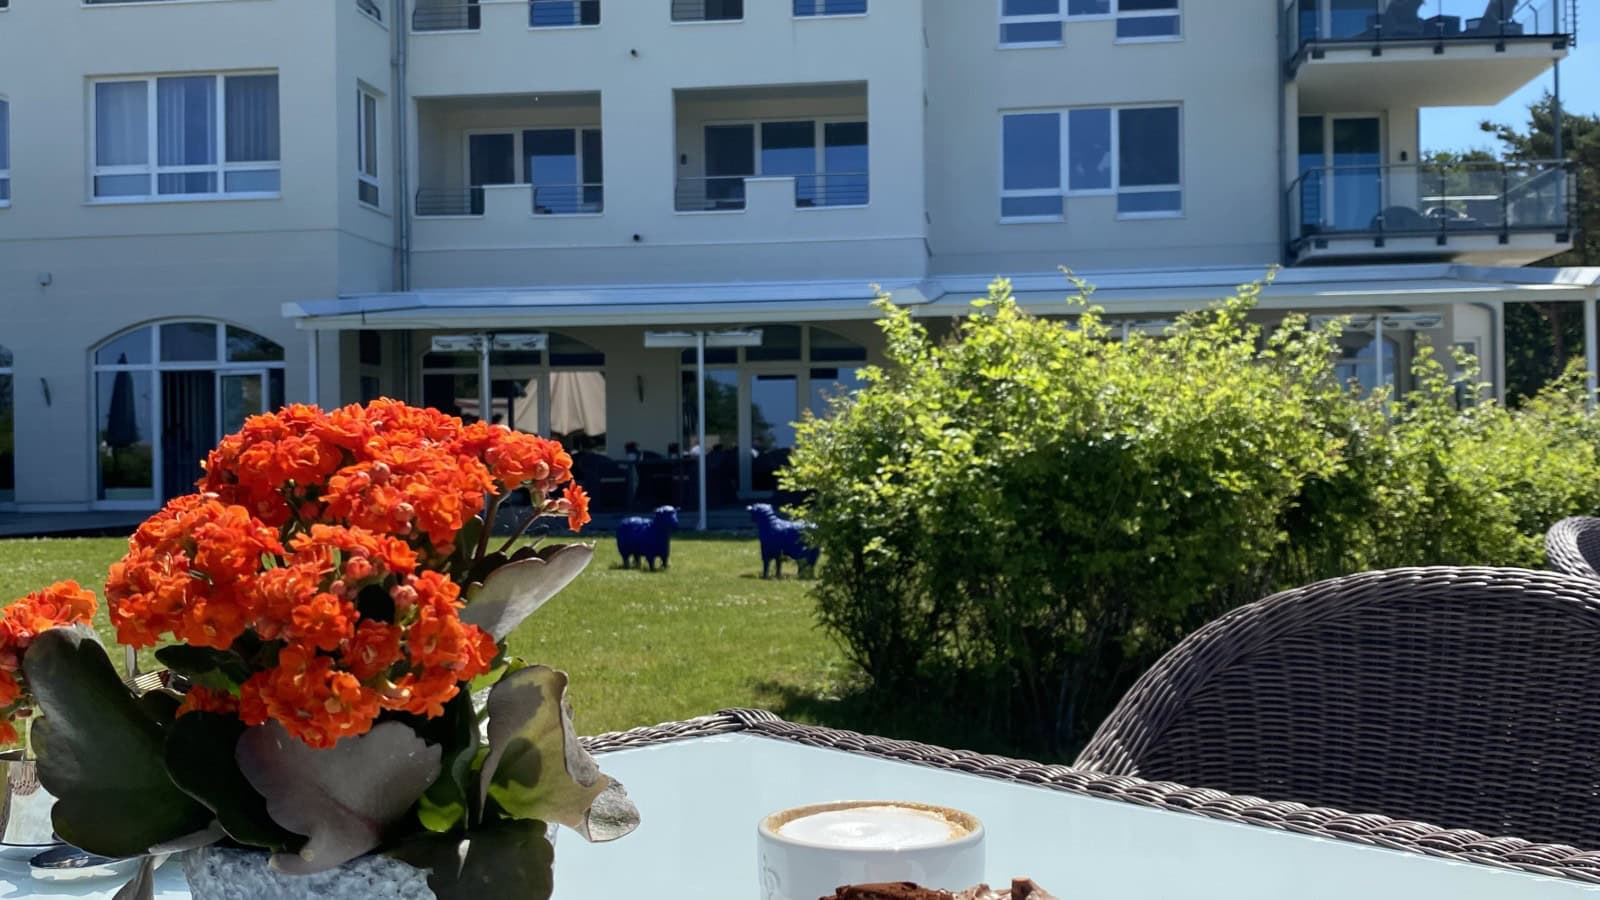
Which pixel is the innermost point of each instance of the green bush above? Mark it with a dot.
(1018, 519)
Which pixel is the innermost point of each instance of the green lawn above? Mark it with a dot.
(642, 647)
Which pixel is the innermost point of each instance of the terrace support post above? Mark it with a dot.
(485, 384)
(1591, 353)
(700, 414)
(312, 346)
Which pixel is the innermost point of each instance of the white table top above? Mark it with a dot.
(701, 799)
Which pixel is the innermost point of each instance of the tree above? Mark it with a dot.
(1541, 337)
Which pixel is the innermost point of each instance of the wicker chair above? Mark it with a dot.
(1573, 546)
(1464, 698)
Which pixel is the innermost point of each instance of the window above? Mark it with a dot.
(805, 8)
(1132, 152)
(707, 10)
(194, 136)
(1039, 22)
(565, 167)
(370, 7)
(563, 13)
(367, 185)
(5, 152)
(829, 162)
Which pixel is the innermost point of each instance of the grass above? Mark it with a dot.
(647, 647)
(641, 647)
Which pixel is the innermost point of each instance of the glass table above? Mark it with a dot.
(701, 786)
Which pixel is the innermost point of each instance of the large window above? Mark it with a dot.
(165, 394)
(707, 10)
(5, 152)
(1134, 153)
(565, 166)
(559, 394)
(1039, 22)
(367, 186)
(829, 162)
(563, 13)
(805, 8)
(191, 136)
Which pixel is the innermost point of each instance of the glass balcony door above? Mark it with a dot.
(1356, 150)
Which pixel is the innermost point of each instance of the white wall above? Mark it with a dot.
(1224, 73)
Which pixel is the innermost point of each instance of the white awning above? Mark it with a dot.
(1136, 291)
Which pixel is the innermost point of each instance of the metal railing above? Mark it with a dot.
(568, 199)
(807, 8)
(724, 193)
(447, 15)
(1314, 25)
(707, 10)
(543, 199)
(563, 13)
(832, 189)
(1438, 200)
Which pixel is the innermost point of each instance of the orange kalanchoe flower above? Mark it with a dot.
(60, 604)
(323, 550)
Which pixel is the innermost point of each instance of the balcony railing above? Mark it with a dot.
(708, 10)
(1312, 25)
(467, 15)
(726, 193)
(545, 199)
(1431, 200)
(807, 8)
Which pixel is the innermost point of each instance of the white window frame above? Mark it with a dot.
(519, 159)
(153, 171)
(1064, 186)
(5, 172)
(819, 147)
(1063, 16)
(372, 142)
(1060, 15)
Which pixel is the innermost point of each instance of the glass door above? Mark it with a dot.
(1357, 189)
(241, 395)
(730, 158)
(774, 408)
(491, 160)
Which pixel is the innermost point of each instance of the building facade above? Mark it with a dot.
(210, 207)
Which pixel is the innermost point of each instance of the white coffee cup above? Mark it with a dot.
(811, 851)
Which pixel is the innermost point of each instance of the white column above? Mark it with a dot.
(1377, 324)
(1591, 353)
(485, 386)
(700, 412)
(313, 389)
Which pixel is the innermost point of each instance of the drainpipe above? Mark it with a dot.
(1591, 352)
(1281, 180)
(1494, 353)
(402, 148)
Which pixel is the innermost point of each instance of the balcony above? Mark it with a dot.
(1380, 54)
(1504, 214)
(811, 141)
(545, 150)
(467, 15)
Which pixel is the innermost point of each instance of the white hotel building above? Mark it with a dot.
(208, 207)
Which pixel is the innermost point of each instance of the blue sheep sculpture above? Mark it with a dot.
(780, 538)
(647, 540)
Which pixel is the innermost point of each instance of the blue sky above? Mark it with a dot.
(1456, 128)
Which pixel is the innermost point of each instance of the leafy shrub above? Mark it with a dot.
(1017, 520)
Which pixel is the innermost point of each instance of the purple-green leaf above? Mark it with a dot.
(537, 768)
(513, 592)
(341, 798)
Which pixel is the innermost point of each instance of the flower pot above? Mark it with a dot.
(24, 810)
(219, 873)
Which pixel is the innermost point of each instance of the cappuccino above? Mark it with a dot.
(876, 827)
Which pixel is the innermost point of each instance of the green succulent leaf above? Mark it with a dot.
(200, 662)
(143, 885)
(101, 752)
(514, 591)
(537, 768)
(445, 804)
(342, 798)
(160, 706)
(201, 760)
(510, 858)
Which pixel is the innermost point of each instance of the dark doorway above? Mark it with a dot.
(188, 428)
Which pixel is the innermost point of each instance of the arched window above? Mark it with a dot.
(8, 431)
(165, 394)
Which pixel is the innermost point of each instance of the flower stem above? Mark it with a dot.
(489, 515)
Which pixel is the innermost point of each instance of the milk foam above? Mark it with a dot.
(873, 828)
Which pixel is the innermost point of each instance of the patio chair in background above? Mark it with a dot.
(1573, 546)
(1460, 697)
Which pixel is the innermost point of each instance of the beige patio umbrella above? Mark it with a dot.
(578, 402)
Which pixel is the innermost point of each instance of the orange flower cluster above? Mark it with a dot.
(329, 540)
(63, 603)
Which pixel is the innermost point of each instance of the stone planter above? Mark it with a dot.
(217, 873)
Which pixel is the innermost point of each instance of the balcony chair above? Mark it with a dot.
(1572, 546)
(1496, 20)
(1460, 697)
